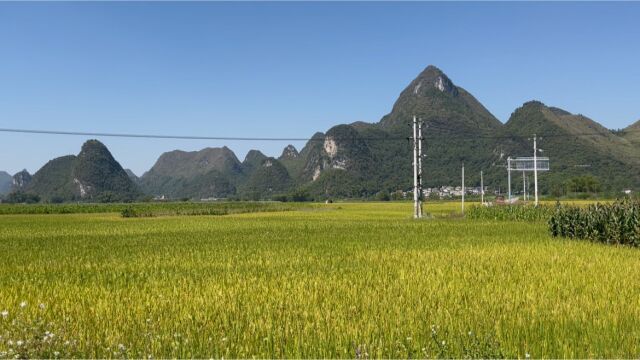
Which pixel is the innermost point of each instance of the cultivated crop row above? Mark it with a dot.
(616, 223)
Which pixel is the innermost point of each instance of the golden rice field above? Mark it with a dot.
(337, 281)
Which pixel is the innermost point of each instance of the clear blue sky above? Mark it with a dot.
(291, 69)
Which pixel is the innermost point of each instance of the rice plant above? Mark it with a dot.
(511, 212)
(331, 281)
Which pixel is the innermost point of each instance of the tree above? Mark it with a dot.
(584, 184)
(383, 196)
(20, 197)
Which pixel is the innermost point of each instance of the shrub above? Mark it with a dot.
(128, 212)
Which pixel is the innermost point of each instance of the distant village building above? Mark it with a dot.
(445, 192)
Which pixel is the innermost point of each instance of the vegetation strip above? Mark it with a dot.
(152, 209)
(511, 212)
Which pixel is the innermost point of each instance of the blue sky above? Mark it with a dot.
(291, 69)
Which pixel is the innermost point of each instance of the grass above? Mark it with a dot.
(340, 280)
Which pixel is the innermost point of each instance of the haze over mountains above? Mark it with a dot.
(361, 159)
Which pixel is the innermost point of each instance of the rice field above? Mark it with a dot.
(336, 281)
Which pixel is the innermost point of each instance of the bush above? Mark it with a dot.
(616, 223)
(128, 212)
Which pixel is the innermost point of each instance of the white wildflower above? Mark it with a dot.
(527, 355)
(121, 347)
(56, 353)
(41, 306)
(4, 313)
(19, 343)
(23, 304)
(444, 343)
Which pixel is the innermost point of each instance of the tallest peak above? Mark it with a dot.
(433, 77)
(432, 72)
(432, 69)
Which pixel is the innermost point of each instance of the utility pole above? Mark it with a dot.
(535, 167)
(420, 193)
(462, 188)
(524, 186)
(481, 189)
(509, 176)
(416, 199)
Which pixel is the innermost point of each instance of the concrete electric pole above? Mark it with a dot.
(462, 188)
(416, 198)
(420, 193)
(509, 176)
(535, 167)
(481, 189)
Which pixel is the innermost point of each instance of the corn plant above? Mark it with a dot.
(616, 223)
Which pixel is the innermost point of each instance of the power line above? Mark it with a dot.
(236, 138)
(148, 136)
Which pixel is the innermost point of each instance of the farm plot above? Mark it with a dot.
(339, 280)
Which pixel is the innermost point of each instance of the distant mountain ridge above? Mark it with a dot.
(361, 159)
